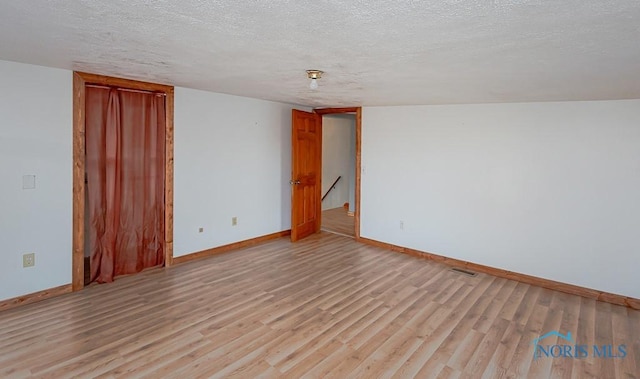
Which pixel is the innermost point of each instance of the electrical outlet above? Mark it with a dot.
(234, 221)
(401, 225)
(29, 260)
(200, 230)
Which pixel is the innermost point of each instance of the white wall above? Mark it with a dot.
(352, 168)
(35, 139)
(232, 159)
(336, 158)
(545, 189)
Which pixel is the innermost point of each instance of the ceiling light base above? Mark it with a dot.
(314, 75)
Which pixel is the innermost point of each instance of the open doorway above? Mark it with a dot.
(306, 170)
(339, 173)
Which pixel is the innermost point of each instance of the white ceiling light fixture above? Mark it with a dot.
(314, 75)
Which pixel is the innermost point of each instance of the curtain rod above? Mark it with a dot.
(125, 89)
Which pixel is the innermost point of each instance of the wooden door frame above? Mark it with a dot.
(80, 80)
(358, 113)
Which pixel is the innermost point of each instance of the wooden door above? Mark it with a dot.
(306, 173)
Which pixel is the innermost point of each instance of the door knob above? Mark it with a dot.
(296, 182)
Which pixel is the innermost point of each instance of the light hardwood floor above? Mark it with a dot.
(337, 220)
(323, 307)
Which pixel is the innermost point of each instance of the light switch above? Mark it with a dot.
(28, 181)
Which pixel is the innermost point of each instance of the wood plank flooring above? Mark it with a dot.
(323, 307)
(337, 220)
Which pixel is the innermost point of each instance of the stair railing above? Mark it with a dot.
(332, 187)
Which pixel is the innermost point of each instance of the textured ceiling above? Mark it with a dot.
(374, 52)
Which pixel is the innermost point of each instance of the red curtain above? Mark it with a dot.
(125, 143)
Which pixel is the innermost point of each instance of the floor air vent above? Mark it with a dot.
(465, 272)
